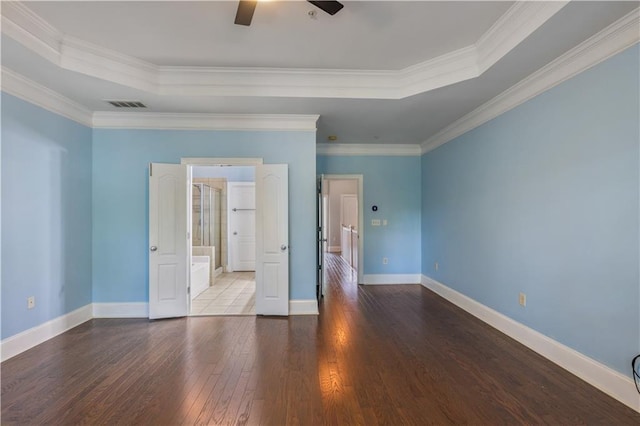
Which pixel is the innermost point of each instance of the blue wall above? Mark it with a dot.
(393, 184)
(46, 215)
(120, 199)
(544, 200)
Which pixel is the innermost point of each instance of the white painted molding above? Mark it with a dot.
(70, 53)
(27, 339)
(384, 279)
(121, 310)
(368, 149)
(177, 121)
(617, 37)
(30, 91)
(215, 161)
(303, 307)
(591, 371)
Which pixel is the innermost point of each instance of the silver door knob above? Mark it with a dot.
(235, 233)
(283, 247)
(153, 248)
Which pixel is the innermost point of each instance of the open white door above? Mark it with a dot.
(169, 240)
(272, 239)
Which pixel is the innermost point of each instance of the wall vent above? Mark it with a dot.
(126, 104)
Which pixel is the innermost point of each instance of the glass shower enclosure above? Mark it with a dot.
(206, 218)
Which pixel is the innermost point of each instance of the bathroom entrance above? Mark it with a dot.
(223, 240)
(170, 253)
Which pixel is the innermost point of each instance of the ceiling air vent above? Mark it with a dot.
(127, 104)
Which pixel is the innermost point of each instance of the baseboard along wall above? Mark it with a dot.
(591, 371)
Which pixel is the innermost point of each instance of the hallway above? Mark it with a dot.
(376, 355)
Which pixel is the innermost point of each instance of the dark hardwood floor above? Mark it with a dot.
(375, 355)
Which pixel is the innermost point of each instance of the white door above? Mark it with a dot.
(169, 240)
(242, 226)
(272, 239)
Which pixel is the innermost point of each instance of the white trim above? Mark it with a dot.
(334, 249)
(303, 307)
(368, 149)
(73, 54)
(203, 121)
(215, 161)
(30, 91)
(384, 279)
(615, 38)
(121, 310)
(218, 271)
(18, 343)
(600, 376)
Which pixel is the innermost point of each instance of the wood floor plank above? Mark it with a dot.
(376, 355)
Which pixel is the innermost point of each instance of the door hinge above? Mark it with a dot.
(188, 235)
(189, 290)
(150, 169)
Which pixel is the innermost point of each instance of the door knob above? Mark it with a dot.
(235, 233)
(283, 247)
(153, 248)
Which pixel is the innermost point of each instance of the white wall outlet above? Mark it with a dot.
(385, 260)
(375, 222)
(384, 222)
(435, 266)
(31, 302)
(522, 299)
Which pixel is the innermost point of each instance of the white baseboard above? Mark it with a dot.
(303, 307)
(591, 371)
(18, 343)
(375, 279)
(121, 310)
(334, 249)
(218, 272)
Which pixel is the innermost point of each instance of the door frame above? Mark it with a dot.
(361, 224)
(214, 161)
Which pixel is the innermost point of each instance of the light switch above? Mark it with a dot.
(384, 222)
(375, 222)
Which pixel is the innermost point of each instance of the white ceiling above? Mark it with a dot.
(173, 33)
(363, 35)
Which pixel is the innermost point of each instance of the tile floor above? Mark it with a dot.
(232, 294)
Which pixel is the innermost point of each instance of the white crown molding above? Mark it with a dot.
(70, 53)
(368, 149)
(617, 37)
(30, 91)
(513, 27)
(187, 121)
(591, 371)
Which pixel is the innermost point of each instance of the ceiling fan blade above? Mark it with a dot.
(331, 7)
(245, 12)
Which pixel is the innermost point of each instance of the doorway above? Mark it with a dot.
(227, 209)
(340, 223)
(170, 257)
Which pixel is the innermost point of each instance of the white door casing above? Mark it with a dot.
(169, 240)
(242, 225)
(272, 239)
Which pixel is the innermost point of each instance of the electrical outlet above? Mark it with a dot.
(435, 266)
(522, 299)
(385, 260)
(31, 302)
(375, 222)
